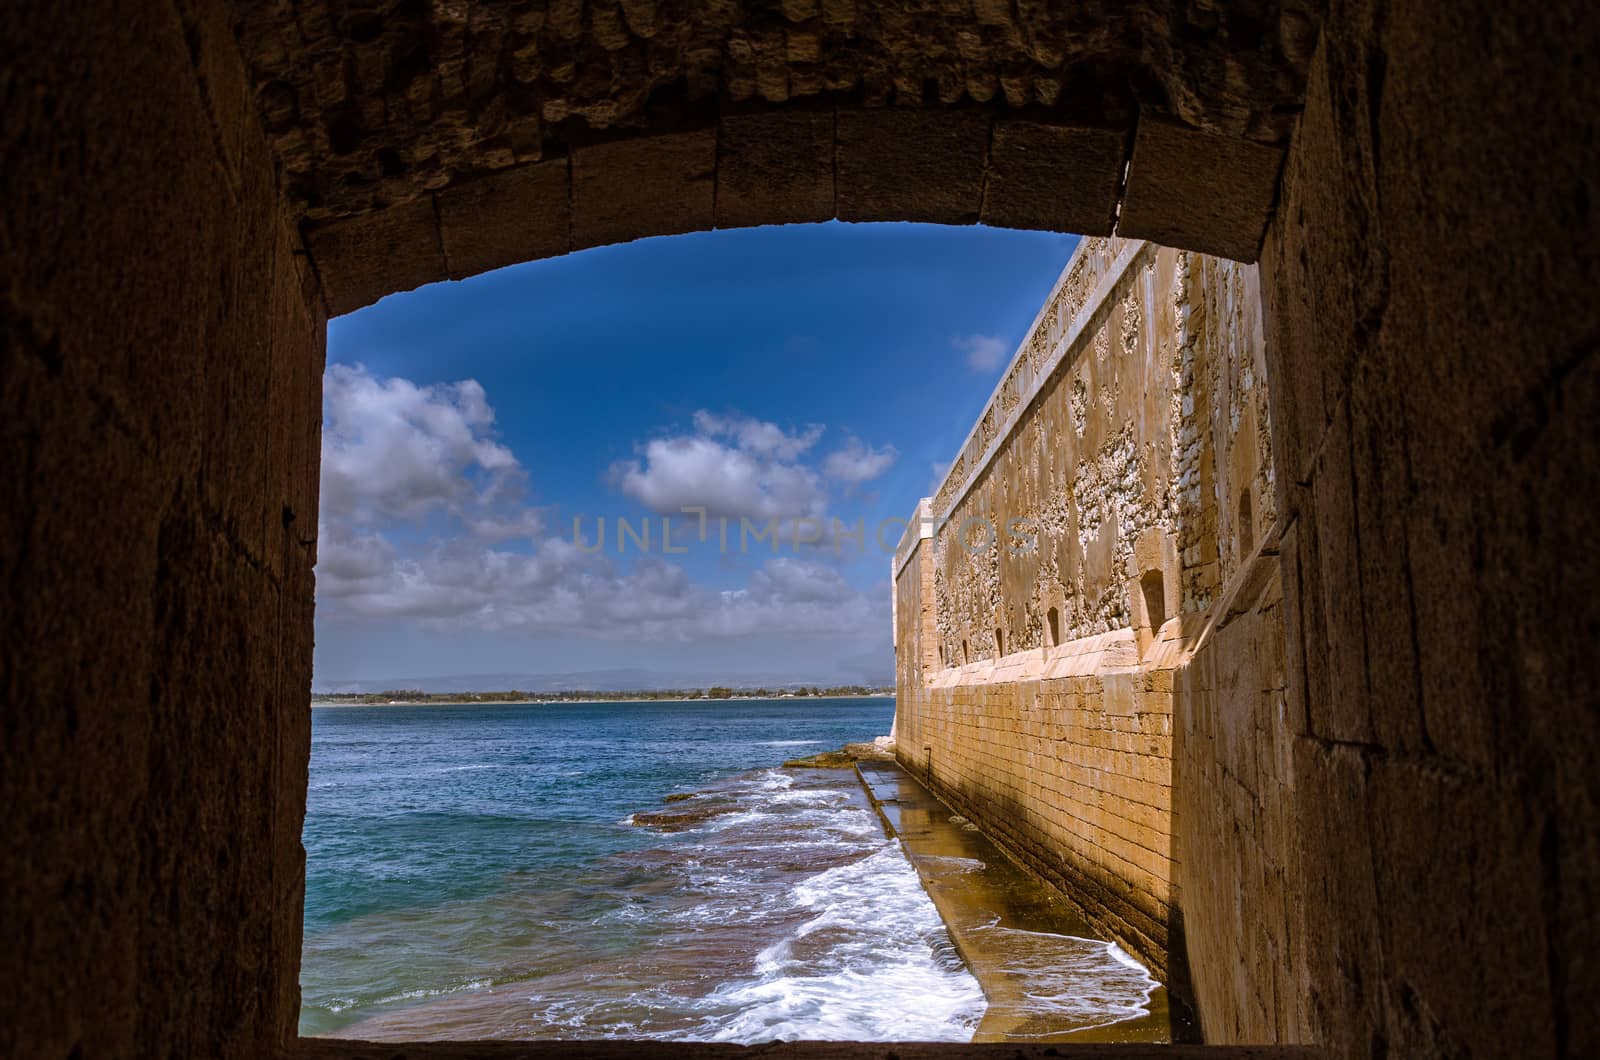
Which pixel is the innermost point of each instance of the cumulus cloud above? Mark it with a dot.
(420, 504)
(559, 589)
(758, 437)
(391, 448)
(984, 353)
(733, 467)
(858, 462)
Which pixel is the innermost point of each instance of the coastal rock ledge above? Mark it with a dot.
(879, 750)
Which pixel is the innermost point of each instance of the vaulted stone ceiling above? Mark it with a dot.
(374, 104)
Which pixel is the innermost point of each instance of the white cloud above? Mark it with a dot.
(858, 462)
(758, 436)
(419, 501)
(754, 474)
(557, 588)
(391, 448)
(984, 353)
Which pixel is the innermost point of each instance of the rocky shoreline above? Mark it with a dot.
(687, 809)
(879, 750)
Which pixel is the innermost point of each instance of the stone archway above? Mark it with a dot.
(419, 142)
(193, 186)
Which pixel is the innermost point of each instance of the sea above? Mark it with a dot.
(614, 870)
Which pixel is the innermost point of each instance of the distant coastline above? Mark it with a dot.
(518, 697)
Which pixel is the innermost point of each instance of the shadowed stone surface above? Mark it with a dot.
(1183, 182)
(680, 115)
(372, 105)
(160, 393)
(1424, 795)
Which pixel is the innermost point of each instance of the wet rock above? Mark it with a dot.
(681, 820)
(879, 750)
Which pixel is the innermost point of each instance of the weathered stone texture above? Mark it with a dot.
(1125, 441)
(1189, 187)
(674, 115)
(1070, 773)
(1383, 820)
(1129, 440)
(376, 104)
(1429, 282)
(1237, 876)
(775, 168)
(159, 402)
(1023, 186)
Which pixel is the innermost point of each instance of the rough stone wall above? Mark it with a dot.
(429, 141)
(1432, 327)
(159, 393)
(1238, 936)
(1085, 467)
(1224, 476)
(1429, 284)
(1125, 436)
(914, 613)
(375, 104)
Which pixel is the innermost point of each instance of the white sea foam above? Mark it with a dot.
(1087, 981)
(871, 968)
(789, 917)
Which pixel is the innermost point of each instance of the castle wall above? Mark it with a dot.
(1084, 553)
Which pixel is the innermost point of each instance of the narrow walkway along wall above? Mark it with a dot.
(1095, 574)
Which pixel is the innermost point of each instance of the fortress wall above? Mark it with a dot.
(1235, 869)
(1089, 641)
(1239, 919)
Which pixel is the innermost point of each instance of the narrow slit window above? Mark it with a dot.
(1155, 598)
(1247, 529)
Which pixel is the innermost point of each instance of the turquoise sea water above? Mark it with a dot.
(477, 871)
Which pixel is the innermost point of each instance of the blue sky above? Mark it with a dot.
(793, 375)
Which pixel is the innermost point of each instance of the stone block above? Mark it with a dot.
(774, 168)
(1430, 824)
(508, 217)
(911, 165)
(1340, 711)
(662, 185)
(1053, 177)
(1198, 190)
(361, 259)
(225, 87)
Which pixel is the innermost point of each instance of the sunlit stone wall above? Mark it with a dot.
(1096, 529)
